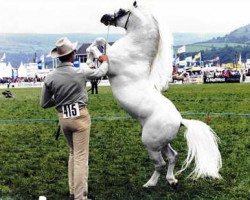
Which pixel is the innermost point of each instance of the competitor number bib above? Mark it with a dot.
(71, 110)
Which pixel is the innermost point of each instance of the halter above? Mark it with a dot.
(127, 20)
(105, 46)
(116, 17)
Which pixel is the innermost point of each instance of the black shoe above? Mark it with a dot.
(71, 197)
(90, 197)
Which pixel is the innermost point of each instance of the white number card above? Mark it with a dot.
(71, 110)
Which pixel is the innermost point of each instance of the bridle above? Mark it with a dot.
(127, 20)
(120, 14)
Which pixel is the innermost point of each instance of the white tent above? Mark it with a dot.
(32, 69)
(2, 67)
(5, 70)
(8, 71)
(22, 71)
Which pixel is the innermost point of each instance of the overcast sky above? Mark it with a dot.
(83, 16)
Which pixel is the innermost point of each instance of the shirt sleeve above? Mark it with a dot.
(96, 73)
(47, 100)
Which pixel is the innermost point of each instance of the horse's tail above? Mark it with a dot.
(203, 148)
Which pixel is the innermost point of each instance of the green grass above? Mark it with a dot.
(32, 163)
(208, 46)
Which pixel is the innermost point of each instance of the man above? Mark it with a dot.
(94, 86)
(64, 88)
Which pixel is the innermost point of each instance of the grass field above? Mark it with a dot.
(208, 46)
(32, 163)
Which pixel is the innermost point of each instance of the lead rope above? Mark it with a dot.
(105, 51)
(107, 37)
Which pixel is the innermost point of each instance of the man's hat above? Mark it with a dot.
(63, 47)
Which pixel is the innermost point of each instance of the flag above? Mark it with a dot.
(216, 58)
(42, 58)
(230, 65)
(40, 63)
(188, 59)
(239, 61)
(3, 57)
(197, 56)
(77, 62)
(177, 60)
(181, 49)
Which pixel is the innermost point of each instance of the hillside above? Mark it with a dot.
(191, 38)
(207, 46)
(237, 39)
(22, 47)
(240, 35)
(28, 43)
(228, 49)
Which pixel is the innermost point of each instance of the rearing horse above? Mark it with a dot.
(139, 68)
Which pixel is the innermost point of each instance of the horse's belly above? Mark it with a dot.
(132, 103)
(143, 103)
(133, 100)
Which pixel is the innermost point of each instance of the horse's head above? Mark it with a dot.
(149, 42)
(121, 18)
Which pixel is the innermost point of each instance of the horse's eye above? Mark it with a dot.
(121, 12)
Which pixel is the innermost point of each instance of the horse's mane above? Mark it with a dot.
(161, 68)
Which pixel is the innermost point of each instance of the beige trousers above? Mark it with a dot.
(77, 131)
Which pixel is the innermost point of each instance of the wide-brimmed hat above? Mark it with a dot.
(63, 47)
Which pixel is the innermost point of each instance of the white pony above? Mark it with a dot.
(139, 69)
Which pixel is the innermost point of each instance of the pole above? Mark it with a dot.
(200, 58)
(107, 37)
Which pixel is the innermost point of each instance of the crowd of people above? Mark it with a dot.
(223, 74)
(22, 79)
(185, 75)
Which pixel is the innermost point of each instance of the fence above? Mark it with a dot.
(5, 121)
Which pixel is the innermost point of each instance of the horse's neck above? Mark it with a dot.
(146, 39)
(132, 56)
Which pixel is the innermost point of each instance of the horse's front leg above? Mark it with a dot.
(159, 163)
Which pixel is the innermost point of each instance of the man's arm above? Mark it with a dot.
(47, 100)
(97, 72)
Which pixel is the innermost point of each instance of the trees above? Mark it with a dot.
(227, 54)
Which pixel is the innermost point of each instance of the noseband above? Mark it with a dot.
(121, 14)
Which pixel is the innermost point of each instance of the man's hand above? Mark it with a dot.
(103, 58)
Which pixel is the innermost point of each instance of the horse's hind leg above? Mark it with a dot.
(171, 154)
(156, 157)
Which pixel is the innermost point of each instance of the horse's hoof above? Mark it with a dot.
(175, 186)
(148, 185)
(172, 181)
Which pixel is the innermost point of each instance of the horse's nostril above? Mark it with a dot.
(106, 19)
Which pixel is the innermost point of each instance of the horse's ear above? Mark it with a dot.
(135, 4)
